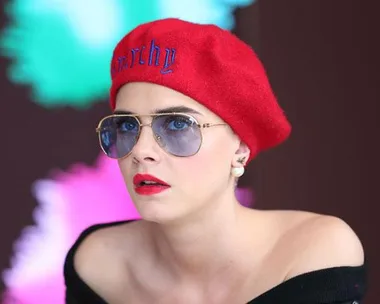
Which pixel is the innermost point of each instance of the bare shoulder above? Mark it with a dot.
(320, 241)
(97, 245)
(102, 258)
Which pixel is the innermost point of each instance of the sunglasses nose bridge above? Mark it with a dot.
(146, 125)
(155, 135)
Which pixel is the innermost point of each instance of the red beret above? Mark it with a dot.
(210, 65)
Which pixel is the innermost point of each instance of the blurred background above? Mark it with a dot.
(322, 61)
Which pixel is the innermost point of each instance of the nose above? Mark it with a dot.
(146, 149)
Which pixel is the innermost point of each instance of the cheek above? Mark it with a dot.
(208, 167)
(217, 149)
(124, 168)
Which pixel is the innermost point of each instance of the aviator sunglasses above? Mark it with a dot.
(179, 134)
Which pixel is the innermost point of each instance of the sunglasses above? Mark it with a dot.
(178, 134)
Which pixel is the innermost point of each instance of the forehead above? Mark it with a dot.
(142, 97)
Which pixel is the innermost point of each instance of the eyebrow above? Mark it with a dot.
(175, 109)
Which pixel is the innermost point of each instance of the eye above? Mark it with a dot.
(177, 123)
(128, 124)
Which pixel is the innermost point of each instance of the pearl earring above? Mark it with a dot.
(237, 171)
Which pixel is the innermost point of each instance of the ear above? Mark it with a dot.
(241, 155)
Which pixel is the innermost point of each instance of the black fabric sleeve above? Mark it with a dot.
(337, 285)
(70, 299)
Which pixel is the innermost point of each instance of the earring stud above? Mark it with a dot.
(237, 171)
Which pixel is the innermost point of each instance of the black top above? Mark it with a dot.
(337, 285)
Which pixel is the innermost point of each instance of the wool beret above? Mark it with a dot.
(212, 66)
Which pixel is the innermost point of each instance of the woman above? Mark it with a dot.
(191, 107)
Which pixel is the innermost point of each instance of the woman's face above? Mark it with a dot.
(195, 181)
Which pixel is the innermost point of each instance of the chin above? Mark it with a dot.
(158, 212)
(153, 209)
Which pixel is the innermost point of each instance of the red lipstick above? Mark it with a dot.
(146, 184)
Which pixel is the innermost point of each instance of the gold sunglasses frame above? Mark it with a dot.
(156, 137)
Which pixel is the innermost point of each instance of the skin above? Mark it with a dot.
(195, 242)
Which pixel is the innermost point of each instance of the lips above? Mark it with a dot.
(146, 179)
(146, 184)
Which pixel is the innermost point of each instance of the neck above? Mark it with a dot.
(210, 242)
